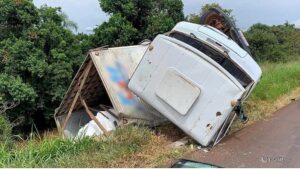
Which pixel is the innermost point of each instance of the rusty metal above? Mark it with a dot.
(218, 114)
(218, 19)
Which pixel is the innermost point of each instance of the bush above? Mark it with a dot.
(274, 43)
(5, 130)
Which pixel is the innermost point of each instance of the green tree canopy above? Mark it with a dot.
(195, 18)
(274, 43)
(16, 16)
(116, 32)
(38, 57)
(134, 20)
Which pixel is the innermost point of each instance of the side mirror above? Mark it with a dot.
(192, 164)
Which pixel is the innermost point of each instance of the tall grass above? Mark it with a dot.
(273, 91)
(5, 129)
(67, 153)
(278, 79)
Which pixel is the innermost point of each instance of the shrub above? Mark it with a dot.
(274, 43)
(5, 130)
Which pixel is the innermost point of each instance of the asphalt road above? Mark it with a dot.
(269, 143)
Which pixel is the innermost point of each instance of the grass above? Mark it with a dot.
(57, 152)
(277, 80)
(157, 153)
(135, 146)
(280, 84)
(131, 146)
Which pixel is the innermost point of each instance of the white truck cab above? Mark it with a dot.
(196, 76)
(221, 49)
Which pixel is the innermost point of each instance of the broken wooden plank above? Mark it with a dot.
(93, 117)
(82, 82)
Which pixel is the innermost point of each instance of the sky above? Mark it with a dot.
(87, 14)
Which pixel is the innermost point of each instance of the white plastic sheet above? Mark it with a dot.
(91, 129)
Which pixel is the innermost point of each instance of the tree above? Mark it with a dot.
(195, 18)
(206, 7)
(134, 20)
(261, 40)
(38, 57)
(56, 15)
(15, 96)
(16, 16)
(67, 23)
(273, 43)
(116, 32)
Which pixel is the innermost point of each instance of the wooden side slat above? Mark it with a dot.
(93, 117)
(81, 82)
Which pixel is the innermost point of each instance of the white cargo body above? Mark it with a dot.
(192, 75)
(105, 89)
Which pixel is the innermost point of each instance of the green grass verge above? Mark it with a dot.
(84, 153)
(278, 79)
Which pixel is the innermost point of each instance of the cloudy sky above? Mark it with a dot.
(88, 13)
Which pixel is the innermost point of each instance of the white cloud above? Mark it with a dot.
(90, 28)
(297, 23)
(85, 13)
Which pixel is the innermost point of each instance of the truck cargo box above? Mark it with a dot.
(104, 76)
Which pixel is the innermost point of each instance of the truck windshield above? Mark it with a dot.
(217, 56)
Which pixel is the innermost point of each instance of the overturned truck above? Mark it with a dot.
(196, 76)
